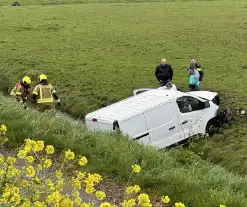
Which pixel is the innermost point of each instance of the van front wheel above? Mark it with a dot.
(211, 128)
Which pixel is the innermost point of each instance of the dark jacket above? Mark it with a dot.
(164, 72)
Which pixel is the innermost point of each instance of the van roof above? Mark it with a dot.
(134, 105)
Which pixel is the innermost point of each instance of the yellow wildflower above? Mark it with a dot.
(11, 160)
(136, 168)
(50, 184)
(84, 205)
(29, 159)
(24, 183)
(39, 204)
(2, 160)
(89, 189)
(78, 200)
(12, 172)
(129, 203)
(29, 145)
(49, 149)
(82, 161)
(144, 200)
(76, 183)
(21, 154)
(59, 174)
(105, 204)
(2, 172)
(69, 155)
(30, 171)
(80, 175)
(129, 189)
(15, 198)
(3, 129)
(222, 206)
(60, 184)
(54, 197)
(100, 195)
(47, 163)
(39, 146)
(179, 204)
(26, 203)
(165, 199)
(67, 202)
(136, 188)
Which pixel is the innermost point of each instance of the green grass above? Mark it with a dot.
(100, 53)
(179, 173)
(95, 54)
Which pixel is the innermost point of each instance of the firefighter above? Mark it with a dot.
(21, 90)
(45, 94)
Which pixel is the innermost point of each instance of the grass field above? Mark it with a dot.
(95, 54)
(180, 173)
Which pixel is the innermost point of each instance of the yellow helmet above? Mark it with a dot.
(42, 77)
(26, 80)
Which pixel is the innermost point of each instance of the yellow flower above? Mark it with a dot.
(12, 172)
(21, 154)
(78, 200)
(165, 199)
(222, 206)
(39, 146)
(3, 128)
(15, 199)
(29, 145)
(2, 172)
(89, 189)
(49, 149)
(30, 171)
(129, 203)
(69, 155)
(26, 203)
(105, 204)
(59, 174)
(144, 200)
(39, 204)
(100, 195)
(15, 190)
(11, 160)
(76, 183)
(80, 175)
(136, 188)
(67, 202)
(179, 204)
(60, 184)
(136, 168)
(82, 161)
(47, 163)
(84, 205)
(54, 197)
(29, 159)
(50, 184)
(2, 160)
(24, 183)
(129, 189)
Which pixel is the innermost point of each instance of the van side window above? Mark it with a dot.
(184, 104)
(196, 104)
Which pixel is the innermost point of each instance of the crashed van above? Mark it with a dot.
(160, 117)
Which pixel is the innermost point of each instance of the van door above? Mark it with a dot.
(163, 125)
(136, 128)
(192, 115)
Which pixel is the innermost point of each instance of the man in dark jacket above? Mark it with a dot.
(164, 73)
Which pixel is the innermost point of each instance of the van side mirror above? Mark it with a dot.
(206, 104)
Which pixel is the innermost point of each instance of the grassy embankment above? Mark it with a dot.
(180, 174)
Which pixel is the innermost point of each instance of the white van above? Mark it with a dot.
(159, 117)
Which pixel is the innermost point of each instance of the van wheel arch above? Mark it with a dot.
(211, 127)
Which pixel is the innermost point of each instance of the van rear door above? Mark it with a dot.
(98, 124)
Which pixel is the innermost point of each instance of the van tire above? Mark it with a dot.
(212, 128)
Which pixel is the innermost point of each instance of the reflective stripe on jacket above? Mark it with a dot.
(45, 93)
